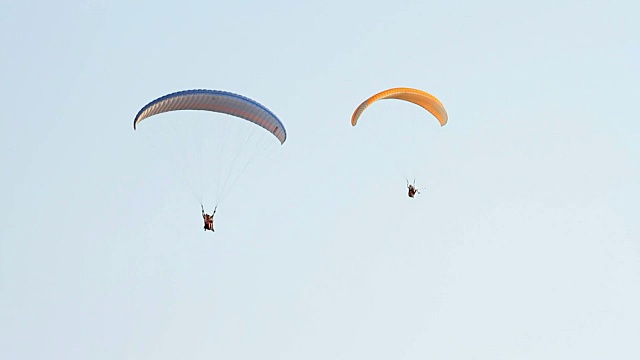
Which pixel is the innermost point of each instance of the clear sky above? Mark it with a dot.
(525, 244)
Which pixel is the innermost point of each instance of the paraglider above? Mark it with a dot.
(415, 96)
(208, 219)
(412, 189)
(227, 146)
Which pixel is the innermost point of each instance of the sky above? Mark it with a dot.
(525, 243)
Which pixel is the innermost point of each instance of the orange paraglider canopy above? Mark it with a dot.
(418, 97)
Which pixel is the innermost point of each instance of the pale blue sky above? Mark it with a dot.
(525, 245)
